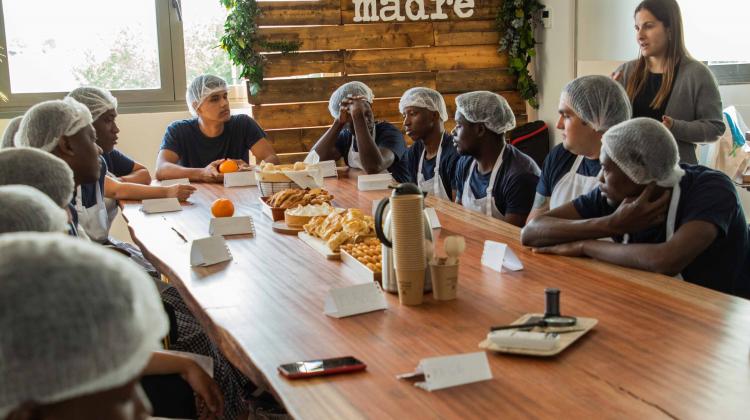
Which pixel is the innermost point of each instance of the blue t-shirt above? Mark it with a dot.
(387, 136)
(196, 150)
(448, 160)
(558, 163)
(709, 196)
(118, 163)
(514, 185)
(88, 191)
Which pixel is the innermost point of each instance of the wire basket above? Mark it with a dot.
(268, 189)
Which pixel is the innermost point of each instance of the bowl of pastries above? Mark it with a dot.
(342, 226)
(278, 203)
(300, 215)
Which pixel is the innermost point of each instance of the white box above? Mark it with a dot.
(374, 182)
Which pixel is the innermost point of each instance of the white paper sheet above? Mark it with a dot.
(240, 179)
(354, 300)
(160, 205)
(498, 255)
(237, 225)
(449, 371)
(209, 251)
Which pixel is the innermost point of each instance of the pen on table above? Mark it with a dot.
(179, 234)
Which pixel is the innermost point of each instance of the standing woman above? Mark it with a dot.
(665, 83)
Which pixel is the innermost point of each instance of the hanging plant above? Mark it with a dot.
(243, 43)
(515, 22)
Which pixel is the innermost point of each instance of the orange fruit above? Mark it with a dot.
(222, 207)
(228, 166)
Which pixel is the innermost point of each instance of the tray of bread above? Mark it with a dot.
(326, 234)
(366, 258)
(273, 178)
(275, 205)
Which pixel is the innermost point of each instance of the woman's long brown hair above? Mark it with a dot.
(668, 13)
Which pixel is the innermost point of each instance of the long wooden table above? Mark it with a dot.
(663, 348)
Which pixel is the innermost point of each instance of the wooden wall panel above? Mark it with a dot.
(284, 13)
(315, 114)
(381, 35)
(453, 56)
(425, 59)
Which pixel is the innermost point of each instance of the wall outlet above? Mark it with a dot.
(547, 18)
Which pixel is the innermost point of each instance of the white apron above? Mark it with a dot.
(94, 220)
(671, 218)
(572, 185)
(353, 157)
(484, 205)
(433, 185)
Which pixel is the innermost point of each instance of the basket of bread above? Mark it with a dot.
(273, 178)
(341, 227)
(278, 203)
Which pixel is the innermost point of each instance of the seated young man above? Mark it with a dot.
(589, 105)
(432, 157)
(120, 177)
(492, 177)
(195, 148)
(10, 132)
(374, 147)
(675, 219)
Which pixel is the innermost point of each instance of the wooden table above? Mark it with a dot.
(663, 348)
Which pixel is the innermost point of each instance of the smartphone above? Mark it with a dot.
(321, 367)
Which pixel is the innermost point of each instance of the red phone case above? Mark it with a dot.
(330, 371)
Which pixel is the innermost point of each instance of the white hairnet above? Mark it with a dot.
(26, 209)
(346, 90)
(598, 100)
(96, 99)
(10, 132)
(49, 174)
(422, 97)
(44, 123)
(645, 150)
(75, 317)
(201, 88)
(487, 108)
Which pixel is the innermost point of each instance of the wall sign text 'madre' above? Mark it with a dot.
(391, 10)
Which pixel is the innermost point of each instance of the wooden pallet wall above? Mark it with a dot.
(453, 56)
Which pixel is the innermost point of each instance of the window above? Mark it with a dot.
(146, 51)
(718, 34)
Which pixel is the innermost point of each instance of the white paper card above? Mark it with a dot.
(239, 179)
(448, 371)
(497, 256)
(432, 218)
(310, 178)
(209, 251)
(328, 168)
(374, 182)
(237, 225)
(161, 205)
(355, 300)
(312, 157)
(179, 181)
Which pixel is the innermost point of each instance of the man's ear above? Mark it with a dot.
(481, 129)
(64, 146)
(26, 411)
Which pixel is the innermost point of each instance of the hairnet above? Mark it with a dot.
(346, 90)
(645, 150)
(41, 170)
(44, 123)
(96, 99)
(201, 88)
(426, 98)
(26, 209)
(10, 131)
(487, 108)
(75, 317)
(598, 100)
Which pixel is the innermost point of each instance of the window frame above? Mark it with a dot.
(731, 73)
(171, 52)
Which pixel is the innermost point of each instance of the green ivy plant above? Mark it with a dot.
(243, 43)
(515, 22)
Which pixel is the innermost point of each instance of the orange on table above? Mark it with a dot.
(228, 166)
(222, 207)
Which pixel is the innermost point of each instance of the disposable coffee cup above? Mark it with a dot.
(444, 281)
(410, 286)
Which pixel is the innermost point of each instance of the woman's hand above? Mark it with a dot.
(667, 121)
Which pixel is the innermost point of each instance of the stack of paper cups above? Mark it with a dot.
(407, 226)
